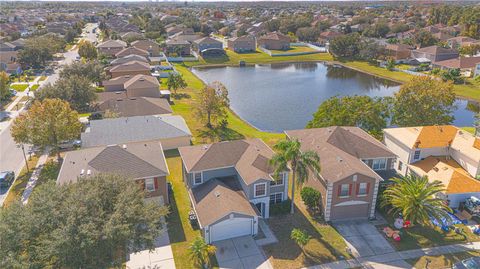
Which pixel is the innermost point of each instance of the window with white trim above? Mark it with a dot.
(416, 155)
(379, 164)
(260, 189)
(276, 198)
(362, 189)
(197, 178)
(278, 181)
(400, 165)
(149, 184)
(344, 190)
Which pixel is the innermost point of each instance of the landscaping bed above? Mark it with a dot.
(19, 185)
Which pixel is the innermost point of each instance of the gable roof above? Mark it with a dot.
(275, 36)
(131, 66)
(207, 40)
(424, 136)
(217, 198)
(129, 58)
(141, 81)
(132, 129)
(341, 149)
(130, 51)
(249, 157)
(436, 50)
(112, 44)
(134, 160)
(136, 106)
(461, 62)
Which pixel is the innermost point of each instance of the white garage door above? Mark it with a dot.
(230, 228)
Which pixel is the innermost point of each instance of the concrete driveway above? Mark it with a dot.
(363, 238)
(161, 257)
(240, 253)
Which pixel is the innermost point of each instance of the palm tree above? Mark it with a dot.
(200, 252)
(416, 199)
(288, 154)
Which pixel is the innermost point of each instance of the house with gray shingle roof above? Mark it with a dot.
(171, 130)
(231, 185)
(143, 162)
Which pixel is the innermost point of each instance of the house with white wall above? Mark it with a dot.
(445, 153)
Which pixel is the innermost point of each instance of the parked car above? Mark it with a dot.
(6, 178)
(70, 144)
(13, 92)
(470, 263)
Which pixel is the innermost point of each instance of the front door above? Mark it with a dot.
(260, 207)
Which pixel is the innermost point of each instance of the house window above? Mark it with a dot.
(149, 184)
(276, 198)
(400, 165)
(362, 189)
(379, 164)
(260, 189)
(197, 178)
(344, 190)
(416, 156)
(279, 181)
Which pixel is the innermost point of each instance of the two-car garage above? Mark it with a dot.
(233, 226)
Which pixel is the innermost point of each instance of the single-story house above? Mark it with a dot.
(231, 185)
(246, 43)
(150, 46)
(208, 45)
(466, 65)
(274, 41)
(435, 53)
(124, 106)
(111, 47)
(352, 165)
(143, 162)
(170, 130)
(130, 68)
(131, 51)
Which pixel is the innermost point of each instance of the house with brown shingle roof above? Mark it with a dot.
(246, 43)
(123, 106)
(150, 46)
(133, 86)
(444, 153)
(131, 51)
(399, 51)
(111, 47)
(352, 165)
(466, 65)
(435, 53)
(131, 68)
(142, 162)
(231, 185)
(274, 41)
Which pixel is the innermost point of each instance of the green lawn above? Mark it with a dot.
(237, 128)
(293, 49)
(42, 78)
(179, 229)
(34, 87)
(82, 115)
(442, 261)
(19, 87)
(469, 129)
(258, 57)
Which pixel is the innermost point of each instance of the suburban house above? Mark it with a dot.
(150, 46)
(129, 58)
(208, 46)
(130, 68)
(445, 153)
(134, 86)
(398, 51)
(241, 44)
(131, 36)
(124, 106)
(131, 51)
(180, 47)
(466, 65)
(274, 41)
(327, 36)
(459, 41)
(170, 130)
(111, 47)
(143, 162)
(435, 53)
(352, 165)
(8, 62)
(231, 186)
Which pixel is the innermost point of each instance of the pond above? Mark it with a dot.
(281, 97)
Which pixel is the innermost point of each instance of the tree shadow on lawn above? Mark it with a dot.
(179, 96)
(216, 59)
(175, 227)
(317, 251)
(219, 134)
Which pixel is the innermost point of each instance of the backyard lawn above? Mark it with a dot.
(34, 87)
(179, 229)
(442, 261)
(293, 49)
(236, 129)
(19, 87)
(259, 57)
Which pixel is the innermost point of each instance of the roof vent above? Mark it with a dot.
(82, 172)
(124, 146)
(89, 172)
(217, 194)
(339, 159)
(205, 147)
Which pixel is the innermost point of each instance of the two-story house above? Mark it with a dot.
(445, 153)
(231, 186)
(351, 163)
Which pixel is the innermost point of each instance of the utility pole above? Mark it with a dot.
(25, 157)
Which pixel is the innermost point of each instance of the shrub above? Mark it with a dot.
(280, 208)
(311, 197)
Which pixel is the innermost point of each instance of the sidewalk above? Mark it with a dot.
(397, 259)
(34, 178)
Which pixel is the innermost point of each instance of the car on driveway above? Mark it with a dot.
(6, 178)
(70, 144)
(470, 263)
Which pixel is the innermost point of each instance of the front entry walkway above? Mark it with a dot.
(240, 253)
(363, 238)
